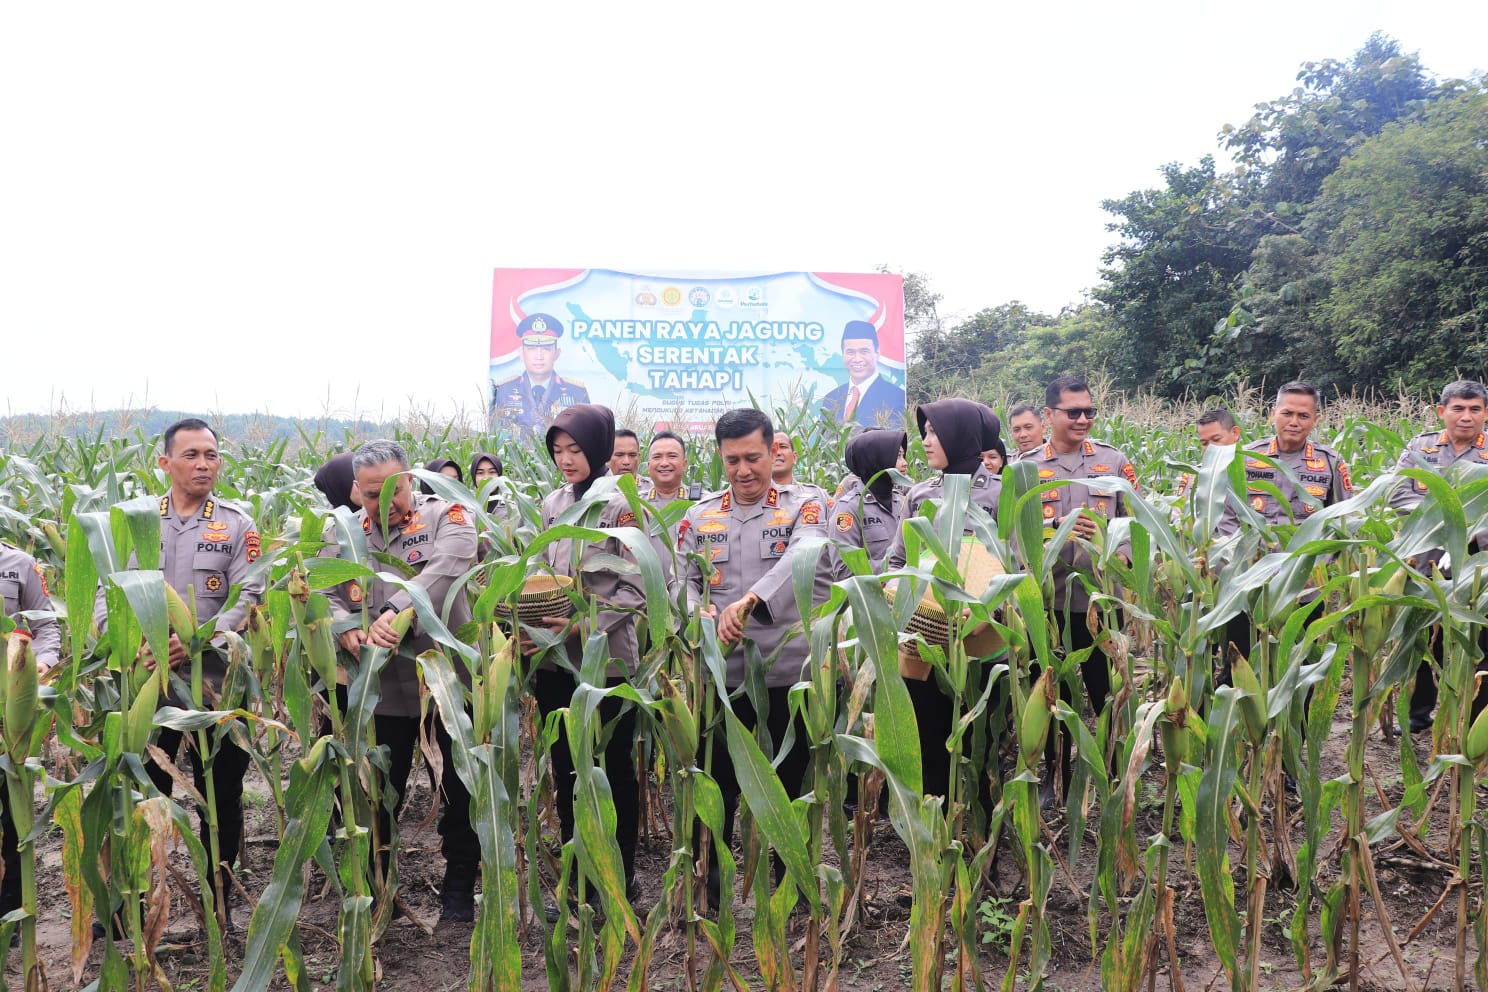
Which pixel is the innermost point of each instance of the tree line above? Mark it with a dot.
(1348, 243)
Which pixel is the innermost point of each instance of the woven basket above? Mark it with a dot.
(978, 567)
(541, 596)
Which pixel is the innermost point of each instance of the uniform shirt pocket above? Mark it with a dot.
(10, 591)
(209, 573)
(773, 548)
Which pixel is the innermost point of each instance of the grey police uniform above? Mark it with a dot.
(519, 402)
(1435, 449)
(1319, 470)
(205, 555)
(749, 549)
(1090, 460)
(436, 541)
(986, 490)
(620, 593)
(23, 587)
(859, 520)
(665, 544)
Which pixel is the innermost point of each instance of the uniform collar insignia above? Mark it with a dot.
(1271, 448)
(1049, 449)
(1481, 441)
(772, 498)
(1443, 439)
(165, 504)
(207, 509)
(1307, 452)
(728, 500)
(1089, 448)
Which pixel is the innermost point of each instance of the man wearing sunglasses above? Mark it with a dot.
(1071, 454)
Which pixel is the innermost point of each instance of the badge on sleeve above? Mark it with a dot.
(1131, 475)
(1343, 475)
(457, 514)
(253, 545)
(844, 522)
(811, 512)
(41, 577)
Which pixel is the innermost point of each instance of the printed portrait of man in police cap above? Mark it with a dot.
(531, 399)
(867, 398)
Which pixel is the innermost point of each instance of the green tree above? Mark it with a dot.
(1171, 277)
(1404, 224)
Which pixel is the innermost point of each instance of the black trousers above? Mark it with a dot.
(1423, 694)
(554, 689)
(935, 717)
(792, 770)
(228, 770)
(400, 734)
(10, 887)
(1095, 672)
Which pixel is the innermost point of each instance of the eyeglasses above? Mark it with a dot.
(1078, 412)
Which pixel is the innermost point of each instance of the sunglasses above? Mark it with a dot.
(1078, 412)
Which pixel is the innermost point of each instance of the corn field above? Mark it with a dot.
(1201, 844)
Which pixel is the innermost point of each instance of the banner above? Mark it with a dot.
(676, 350)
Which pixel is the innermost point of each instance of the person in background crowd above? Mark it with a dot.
(994, 456)
(1026, 427)
(747, 533)
(1216, 426)
(1463, 411)
(666, 466)
(334, 480)
(207, 549)
(868, 507)
(867, 398)
(23, 589)
(1070, 453)
(444, 466)
(627, 457)
(436, 540)
(580, 442)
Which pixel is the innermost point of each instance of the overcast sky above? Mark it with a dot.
(296, 207)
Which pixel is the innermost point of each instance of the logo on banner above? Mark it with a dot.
(671, 297)
(754, 296)
(645, 297)
(699, 296)
(725, 298)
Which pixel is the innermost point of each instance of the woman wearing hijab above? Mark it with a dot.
(444, 466)
(334, 480)
(955, 433)
(868, 508)
(580, 443)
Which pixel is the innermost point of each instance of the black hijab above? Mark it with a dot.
(485, 456)
(334, 480)
(437, 465)
(593, 427)
(873, 452)
(962, 428)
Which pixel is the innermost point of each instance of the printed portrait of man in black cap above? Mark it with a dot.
(532, 399)
(867, 398)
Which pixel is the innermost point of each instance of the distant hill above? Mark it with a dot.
(238, 429)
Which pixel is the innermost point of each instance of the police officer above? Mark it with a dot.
(23, 588)
(1026, 428)
(1216, 426)
(666, 468)
(954, 432)
(783, 471)
(1070, 453)
(747, 534)
(1463, 410)
(436, 540)
(529, 400)
(580, 442)
(1322, 479)
(207, 549)
(867, 515)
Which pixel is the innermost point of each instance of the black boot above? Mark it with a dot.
(457, 895)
